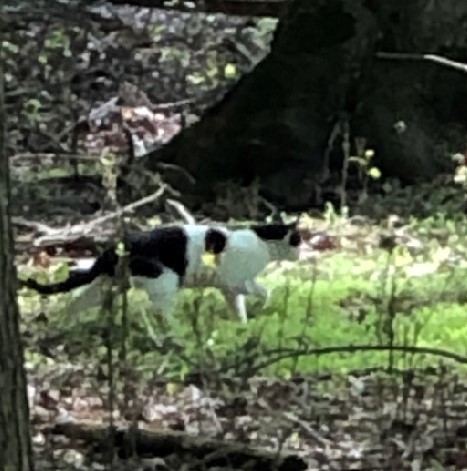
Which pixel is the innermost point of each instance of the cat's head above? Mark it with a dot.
(283, 239)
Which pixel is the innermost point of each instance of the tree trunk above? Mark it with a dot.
(15, 444)
(277, 124)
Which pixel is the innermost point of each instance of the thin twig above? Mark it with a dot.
(128, 208)
(41, 158)
(276, 355)
(309, 431)
(177, 168)
(79, 230)
(181, 209)
(407, 56)
(38, 226)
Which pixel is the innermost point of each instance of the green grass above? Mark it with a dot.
(340, 300)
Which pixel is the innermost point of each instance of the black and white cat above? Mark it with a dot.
(167, 258)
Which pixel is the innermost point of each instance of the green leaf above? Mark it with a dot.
(359, 160)
(369, 154)
(195, 79)
(107, 159)
(173, 388)
(230, 71)
(121, 249)
(459, 178)
(61, 272)
(209, 259)
(33, 105)
(10, 47)
(374, 172)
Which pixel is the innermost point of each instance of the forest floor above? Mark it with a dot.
(357, 363)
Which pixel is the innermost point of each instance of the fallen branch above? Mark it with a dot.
(308, 430)
(161, 443)
(181, 209)
(423, 57)
(44, 159)
(128, 208)
(177, 168)
(38, 226)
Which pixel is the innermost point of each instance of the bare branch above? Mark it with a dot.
(79, 230)
(273, 356)
(187, 217)
(252, 363)
(128, 208)
(179, 169)
(308, 430)
(38, 226)
(51, 158)
(423, 57)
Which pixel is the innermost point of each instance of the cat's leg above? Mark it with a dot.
(255, 289)
(240, 307)
(236, 301)
(236, 297)
(162, 291)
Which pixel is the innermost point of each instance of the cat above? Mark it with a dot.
(168, 258)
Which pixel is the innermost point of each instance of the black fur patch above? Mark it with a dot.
(215, 241)
(271, 231)
(147, 267)
(295, 239)
(167, 245)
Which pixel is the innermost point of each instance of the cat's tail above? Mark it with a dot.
(104, 265)
(75, 280)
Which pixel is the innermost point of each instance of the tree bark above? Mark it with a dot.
(15, 443)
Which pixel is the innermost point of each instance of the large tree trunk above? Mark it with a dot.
(15, 444)
(276, 124)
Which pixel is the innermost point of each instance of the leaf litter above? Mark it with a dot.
(364, 420)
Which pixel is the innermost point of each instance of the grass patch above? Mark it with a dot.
(340, 300)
